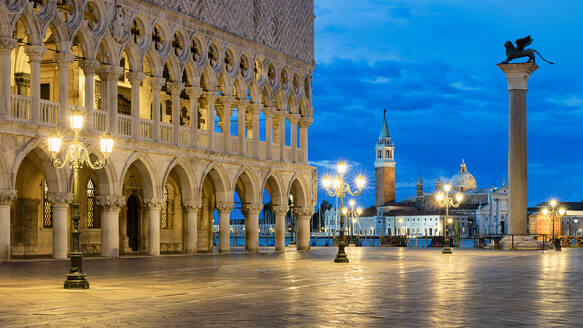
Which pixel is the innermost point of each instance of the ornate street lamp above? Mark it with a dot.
(336, 187)
(554, 209)
(76, 157)
(352, 214)
(443, 200)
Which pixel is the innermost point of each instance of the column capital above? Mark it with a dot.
(175, 87)
(60, 198)
(254, 107)
(7, 197)
(303, 212)
(223, 206)
(191, 205)
(210, 96)
(110, 202)
(193, 92)
(7, 43)
(89, 66)
(268, 111)
(294, 118)
(242, 103)
(250, 209)
(305, 121)
(135, 77)
(108, 72)
(35, 52)
(227, 101)
(64, 58)
(157, 82)
(279, 209)
(518, 74)
(153, 203)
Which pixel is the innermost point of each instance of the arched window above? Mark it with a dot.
(47, 206)
(167, 216)
(91, 217)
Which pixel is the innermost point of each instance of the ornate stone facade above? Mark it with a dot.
(205, 100)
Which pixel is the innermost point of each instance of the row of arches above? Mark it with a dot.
(134, 206)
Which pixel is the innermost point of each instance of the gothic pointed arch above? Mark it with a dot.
(245, 185)
(145, 168)
(275, 187)
(185, 177)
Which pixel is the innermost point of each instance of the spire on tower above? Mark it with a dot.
(463, 168)
(385, 130)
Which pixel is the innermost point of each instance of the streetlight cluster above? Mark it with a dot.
(444, 200)
(352, 214)
(554, 209)
(76, 157)
(336, 187)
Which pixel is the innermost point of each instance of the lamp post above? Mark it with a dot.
(443, 200)
(291, 220)
(336, 187)
(554, 209)
(352, 213)
(76, 157)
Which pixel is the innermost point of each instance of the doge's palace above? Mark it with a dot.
(205, 99)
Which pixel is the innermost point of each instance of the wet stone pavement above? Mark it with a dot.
(380, 287)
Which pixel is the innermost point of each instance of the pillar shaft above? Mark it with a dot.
(293, 120)
(268, 111)
(280, 212)
(156, 83)
(6, 46)
(251, 213)
(241, 125)
(175, 90)
(224, 227)
(153, 228)
(191, 208)
(303, 215)
(6, 199)
(210, 97)
(110, 231)
(194, 93)
(60, 231)
(64, 60)
(517, 75)
(135, 79)
(35, 54)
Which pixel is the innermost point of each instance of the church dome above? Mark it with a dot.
(463, 181)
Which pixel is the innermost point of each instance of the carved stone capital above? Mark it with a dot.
(157, 82)
(210, 96)
(305, 122)
(225, 102)
(110, 202)
(255, 108)
(269, 111)
(62, 198)
(109, 73)
(175, 87)
(64, 58)
(193, 92)
(7, 197)
(153, 203)
(225, 207)
(279, 209)
(89, 66)
(35, 52)
(251, 209)
(303, 212)
(7, 44)
(294, 118)
(135, 78)
(191, 205)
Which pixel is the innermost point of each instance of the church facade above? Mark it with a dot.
(204, 101)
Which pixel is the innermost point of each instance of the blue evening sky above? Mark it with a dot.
(432, 64)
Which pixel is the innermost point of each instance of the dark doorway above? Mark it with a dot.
(133, 220)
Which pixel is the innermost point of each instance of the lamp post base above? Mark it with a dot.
(446, 247)
(76, 281)
(341, 256)
(557, 243)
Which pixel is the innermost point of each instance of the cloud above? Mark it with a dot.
(569, 101)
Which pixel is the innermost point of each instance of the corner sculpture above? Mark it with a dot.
(519, 51)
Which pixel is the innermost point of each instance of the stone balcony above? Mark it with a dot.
(144, 130)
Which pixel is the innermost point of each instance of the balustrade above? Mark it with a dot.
(20, 107)
(49, 111)
(100, 119)
(146, 128)
(185, 132)
(166, 130)
(219, 141)
(124, 124)
(234, 141)
(287, 154)
(203, 139)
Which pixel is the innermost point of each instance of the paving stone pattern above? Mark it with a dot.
(380, 287)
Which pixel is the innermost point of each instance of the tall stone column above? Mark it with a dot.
(251, 212)
(153, 207)
(35, 54)
(517, 75)
(156, 84)
(305, 123)
(7, 197)
(63, 60)
(191, 208)
(226, 109)
(176, 89)
(268, 111)
(6, 46)
(281, 131)
(279, 212)
(111, 207)
(211, 97)
(303, 215)
(60, 227)
(293, 122)
(193, 94)
(242, 125)
(225, 209)
(89, 66)
(253, 126)
(135, 79)
(116, 72)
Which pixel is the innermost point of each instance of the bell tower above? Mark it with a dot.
(384, 167)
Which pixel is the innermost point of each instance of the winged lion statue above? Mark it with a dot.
(519, 51)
